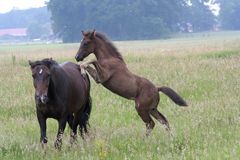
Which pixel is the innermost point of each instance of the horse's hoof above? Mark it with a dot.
(148, 132)
(83, 65)
(73, 139)
(58, 144)
(83, 71)
(43, 145)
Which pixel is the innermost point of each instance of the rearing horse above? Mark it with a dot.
(111, 71)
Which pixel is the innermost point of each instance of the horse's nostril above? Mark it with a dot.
(77, 58)
(44, 99)
(37, 97)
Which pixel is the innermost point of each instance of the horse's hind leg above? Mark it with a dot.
(160, 117)
(144, 114)
(82, 129)
(73, 135)
(70, 121)
(84, 117)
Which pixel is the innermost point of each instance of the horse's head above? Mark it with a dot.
(41, 81)
(87, 45)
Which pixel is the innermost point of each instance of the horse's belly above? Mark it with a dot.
(126, 91)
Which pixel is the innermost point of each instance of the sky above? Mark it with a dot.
(8, 5)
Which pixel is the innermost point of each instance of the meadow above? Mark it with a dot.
(204, 69)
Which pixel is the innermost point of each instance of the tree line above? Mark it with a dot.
(229, 16)
(36, 20)
(127, 19)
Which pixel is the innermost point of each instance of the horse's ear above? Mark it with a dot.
(93, 34)
(83, 33)
(49, 63)
(30, 63)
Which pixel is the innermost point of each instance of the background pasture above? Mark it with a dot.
(204, 69)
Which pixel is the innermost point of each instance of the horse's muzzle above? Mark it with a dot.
(77, 57)
(42, 99)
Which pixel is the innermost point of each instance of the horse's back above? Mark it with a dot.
(73, 72)
(70, 67)
(80, 84)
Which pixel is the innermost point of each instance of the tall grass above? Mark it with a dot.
(204, 71)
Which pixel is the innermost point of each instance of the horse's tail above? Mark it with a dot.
(85, 114)
(84, 117)
(173, 95)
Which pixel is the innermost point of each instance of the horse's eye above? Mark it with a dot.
(34, 75)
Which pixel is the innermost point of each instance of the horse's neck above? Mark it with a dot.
(51, 90)
(58, 80)
(105, 51)
(102, 52)
(101, 55)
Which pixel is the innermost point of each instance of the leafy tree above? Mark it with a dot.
(36, 30)
(229, 14)
(23, 18)
(198, 14)
(126, 19)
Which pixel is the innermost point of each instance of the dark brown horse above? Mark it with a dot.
(111, 71)
(62, 93)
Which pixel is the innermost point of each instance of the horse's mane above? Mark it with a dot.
(47, 62)
(113, 50)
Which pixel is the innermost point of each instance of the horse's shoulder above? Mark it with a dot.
(109, 62)
(63, 64)
(70, 69)
(68, 64)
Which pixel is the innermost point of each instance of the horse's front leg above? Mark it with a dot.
(61, 127)
(42, 124)
(103, 73)
(98, 73)
(94, 74)
(84, 65)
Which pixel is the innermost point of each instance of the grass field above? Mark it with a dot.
(205, 70)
